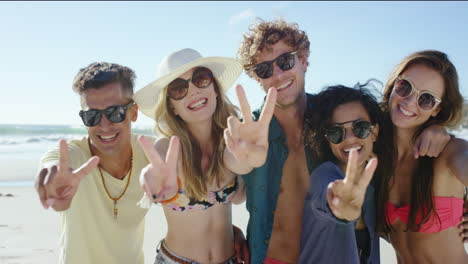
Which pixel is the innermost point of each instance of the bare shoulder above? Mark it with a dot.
(456, 150)
(456, 146)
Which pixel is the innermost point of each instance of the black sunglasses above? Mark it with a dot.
(426, 101)
(284, 61)
(201, 77)
(361, 129)
(115, 114)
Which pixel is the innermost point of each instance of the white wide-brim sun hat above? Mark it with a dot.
(225, 70)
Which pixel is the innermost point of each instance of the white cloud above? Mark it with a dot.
(245, 14)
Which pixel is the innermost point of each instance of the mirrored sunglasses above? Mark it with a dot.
(425, 100)
(114, 114)
(284, 61)
(360, 128)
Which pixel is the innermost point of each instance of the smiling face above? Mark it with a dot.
(350, 112)
(198, 105)
(404, 111)
(107, 137)
(290, 83)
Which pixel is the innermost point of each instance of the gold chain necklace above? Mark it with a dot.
(115, 210)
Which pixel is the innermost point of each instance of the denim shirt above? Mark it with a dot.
(262, 188)
(327, 239)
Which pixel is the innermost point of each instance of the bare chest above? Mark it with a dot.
(400, 185)
(293, 188)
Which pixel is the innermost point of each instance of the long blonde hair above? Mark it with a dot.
(168, 124)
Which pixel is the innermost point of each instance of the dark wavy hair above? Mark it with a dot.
(319, 119)
(98, 74)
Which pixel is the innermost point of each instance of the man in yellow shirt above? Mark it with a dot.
(93, 181)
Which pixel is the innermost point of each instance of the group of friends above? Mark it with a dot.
(324, 176)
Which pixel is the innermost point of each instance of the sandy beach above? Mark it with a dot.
(29, 234)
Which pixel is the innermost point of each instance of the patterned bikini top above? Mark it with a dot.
(182, 203)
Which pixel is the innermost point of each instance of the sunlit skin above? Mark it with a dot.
(202, 114)
(205, 236)
(350, 112)
(118, 148)
(405, 112)
(109, 142)
(284, 244)
(290, 84)
(450, 176)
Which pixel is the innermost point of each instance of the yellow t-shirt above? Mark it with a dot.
(90, 234)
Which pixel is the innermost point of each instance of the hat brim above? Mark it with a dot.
(225, 70)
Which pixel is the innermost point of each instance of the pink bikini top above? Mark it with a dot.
(449, 210)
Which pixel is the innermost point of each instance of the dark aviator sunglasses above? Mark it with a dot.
(360, 128)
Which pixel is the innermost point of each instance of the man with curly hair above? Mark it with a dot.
(275, 55)
(93, 181)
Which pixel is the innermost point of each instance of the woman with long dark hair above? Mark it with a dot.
(421, 202)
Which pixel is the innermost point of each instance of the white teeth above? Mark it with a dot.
(108, 138)
(349, 149)
(406, 113)
(198, 103)
(284, 85)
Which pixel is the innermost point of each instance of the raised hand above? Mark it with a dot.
(159, 178)
(248, 140)
(345, 197)
(56, 185)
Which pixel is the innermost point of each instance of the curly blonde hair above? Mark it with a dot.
(263, 35)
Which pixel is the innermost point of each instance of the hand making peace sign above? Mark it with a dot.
(345, 197)
(159, 178)
(56, 185)
(248, 140)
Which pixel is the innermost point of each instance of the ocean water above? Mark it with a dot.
(21, 139)
(21, 147)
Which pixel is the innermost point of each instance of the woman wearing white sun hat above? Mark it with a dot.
(196, 182)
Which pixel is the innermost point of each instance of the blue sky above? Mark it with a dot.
(44, 44)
